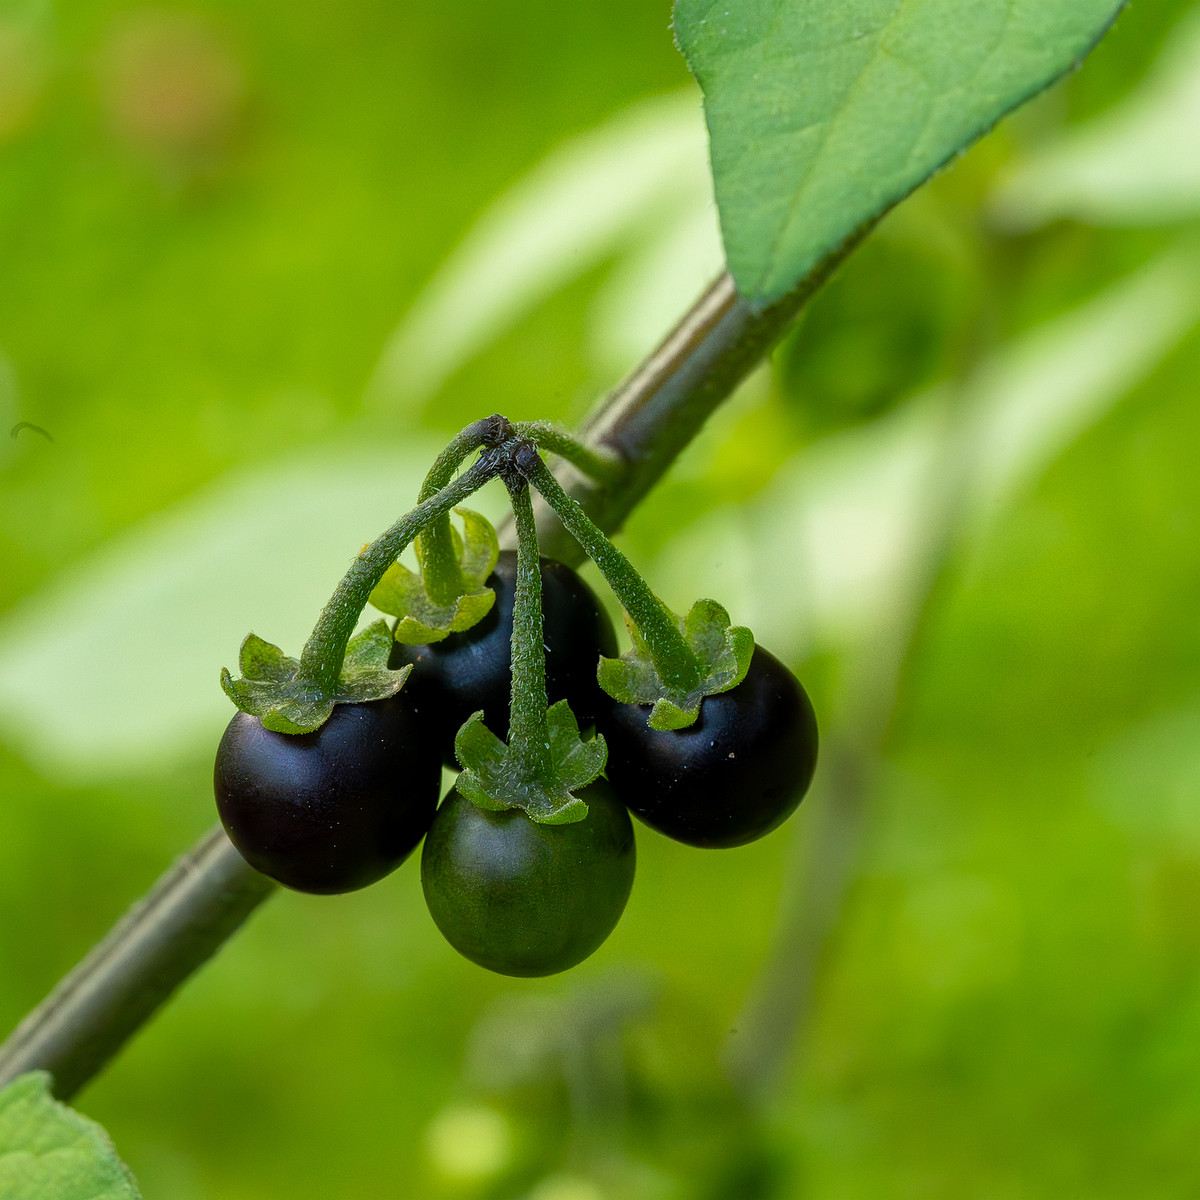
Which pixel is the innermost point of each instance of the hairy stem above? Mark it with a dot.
(439, 564)
(527, 735)
(487, 431)
(673, 658)
(325, 650)
(600, 468)
(648, 421)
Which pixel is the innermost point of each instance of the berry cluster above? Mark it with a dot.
(328, 777)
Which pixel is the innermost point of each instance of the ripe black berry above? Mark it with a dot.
(333, 810)
(469, 671)
(733, 776)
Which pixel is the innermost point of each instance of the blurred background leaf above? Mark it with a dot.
(110, 667)
(639, 180)
(1135, 164)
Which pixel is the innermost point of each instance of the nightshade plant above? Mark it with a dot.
(324, 778)
(822, 115)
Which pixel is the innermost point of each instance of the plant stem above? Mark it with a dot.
(487, 431)
(181, 923)
(439, 564)
(672, 657)
(648, 421)
(602, 468)
(184, 920)
(527, 733)
(323, 654)
(440, 568)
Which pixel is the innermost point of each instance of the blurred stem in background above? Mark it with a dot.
(828, 847)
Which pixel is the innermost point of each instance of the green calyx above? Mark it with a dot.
(674, 663)
(498, 777)
(545, 760)
(427, 612)
(284, 696)
(721, 650)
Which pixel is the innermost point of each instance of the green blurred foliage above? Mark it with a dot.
(211, 218)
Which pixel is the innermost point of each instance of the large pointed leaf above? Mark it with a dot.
(1135, 163)
(822, 114)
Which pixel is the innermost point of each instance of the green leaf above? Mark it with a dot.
(494, 778)
(274, 688)
(1134, 163)
(822, 114)
(607, 193)
(724, 651)
(50, 1152)
(402, 593)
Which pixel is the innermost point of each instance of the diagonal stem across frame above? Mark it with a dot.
(200, 902)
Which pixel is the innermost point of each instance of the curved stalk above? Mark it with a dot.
(325, 650)
(648, 421)
(439, 564)
(601, 468)
(527, 734)
(672, 656)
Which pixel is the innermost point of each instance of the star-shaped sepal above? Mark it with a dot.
(402, 593)
(494, 779)
(724, 651)
(274, 687)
